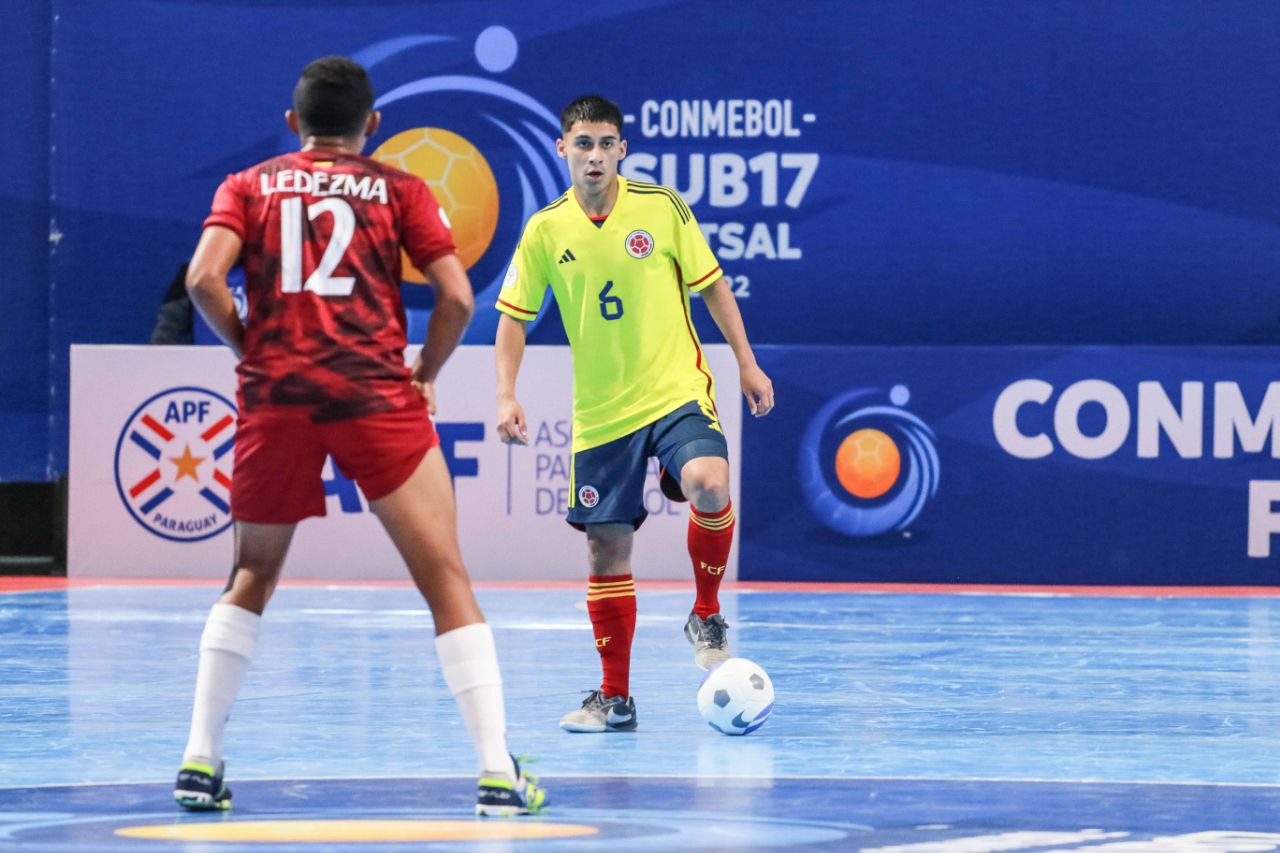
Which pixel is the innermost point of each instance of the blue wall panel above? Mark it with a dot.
(24, 235)
(995, 484)
(941, 173)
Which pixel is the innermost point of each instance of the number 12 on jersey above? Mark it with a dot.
(321, 281)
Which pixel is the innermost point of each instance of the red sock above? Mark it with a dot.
(611, 603)
(710, 536)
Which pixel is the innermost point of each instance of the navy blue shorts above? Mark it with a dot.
(608, 480)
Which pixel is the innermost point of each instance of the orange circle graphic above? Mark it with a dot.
(356, 831)
(868, 463)
(460, 179)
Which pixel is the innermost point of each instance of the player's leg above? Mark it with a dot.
(421, 518)
(260, 553)
(226, 650)
(695, 458)
(275, 483)
(607, 501)
(611, 605)
(705, 482)
(410, 491)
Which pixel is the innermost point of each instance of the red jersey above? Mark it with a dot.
(322, 235)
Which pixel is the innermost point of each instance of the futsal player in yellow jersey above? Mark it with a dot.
(622, 258)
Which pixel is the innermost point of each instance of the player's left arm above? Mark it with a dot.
(756, 385)
(215, 255)
(696, 265)
(449, 319)
(428, 238)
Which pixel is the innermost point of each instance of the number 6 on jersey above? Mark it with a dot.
(610, 306)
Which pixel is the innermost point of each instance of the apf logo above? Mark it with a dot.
(173, 463)
(470, 114)
(867, 468)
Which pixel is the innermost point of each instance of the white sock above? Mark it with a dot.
(226, 647)
(469, 662)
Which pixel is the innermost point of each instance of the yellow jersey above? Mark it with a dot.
(623, 291)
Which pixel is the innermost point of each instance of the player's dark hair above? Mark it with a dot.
(333, 97)
(590, 108)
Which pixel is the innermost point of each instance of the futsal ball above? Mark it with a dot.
(736, 697)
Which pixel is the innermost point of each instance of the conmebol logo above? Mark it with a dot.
(1183, 426)
(868, 466)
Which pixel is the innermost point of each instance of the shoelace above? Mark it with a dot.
(523, 760)
(713, 630)
(594, 700)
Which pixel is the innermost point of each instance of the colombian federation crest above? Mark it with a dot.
(173, 464)
(639, 244)
(588, 496)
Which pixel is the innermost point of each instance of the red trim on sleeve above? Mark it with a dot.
(425, 261)
(694, 284)
(518, 308)
(235, 226)
(688, 322)
(228, 206)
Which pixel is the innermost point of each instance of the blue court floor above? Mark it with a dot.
(904, 722)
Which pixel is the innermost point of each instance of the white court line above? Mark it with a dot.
(776, 777)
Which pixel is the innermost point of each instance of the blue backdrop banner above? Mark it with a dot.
(1049, 465)
(913, 172)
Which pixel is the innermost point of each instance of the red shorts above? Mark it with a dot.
(280, 453)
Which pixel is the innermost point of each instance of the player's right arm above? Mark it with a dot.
(218, 250)
(215, 254)
(518, 301)
(508, 352)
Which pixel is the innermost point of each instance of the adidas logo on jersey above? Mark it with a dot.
(567, 256)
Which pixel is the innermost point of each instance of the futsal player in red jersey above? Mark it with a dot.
(322, 372)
